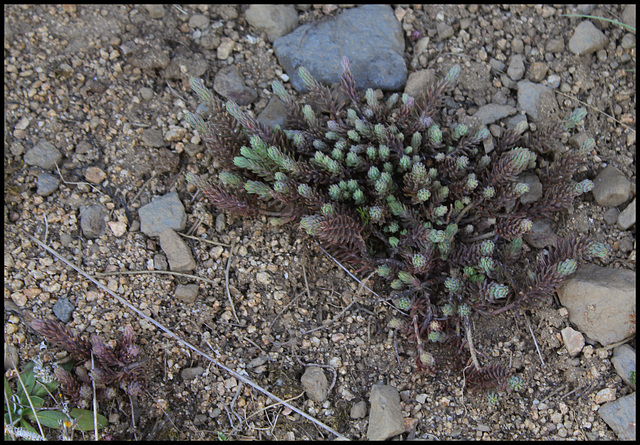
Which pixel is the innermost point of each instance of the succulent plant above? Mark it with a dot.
(396, 185)
(113, 367)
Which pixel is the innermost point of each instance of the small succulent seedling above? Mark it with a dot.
(30, 403)
(111, 368)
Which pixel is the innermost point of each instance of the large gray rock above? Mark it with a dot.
(587, 39)
(537, 100)
(370, 36)
(620, 415)
(611, 188)
(385, 417)
(599, 300)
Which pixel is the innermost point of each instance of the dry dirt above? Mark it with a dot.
(294, 314)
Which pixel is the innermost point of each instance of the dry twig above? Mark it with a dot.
(184, 342)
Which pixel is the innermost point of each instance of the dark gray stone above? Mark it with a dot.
(230, 84)
(275, 113)
(153, 138)
(63, 309)
(43, 155)
(541, 235)
(370, 36)
(47, 184)
(160, 262)
(92, 221)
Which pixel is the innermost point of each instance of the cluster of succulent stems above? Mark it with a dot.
(397, 186)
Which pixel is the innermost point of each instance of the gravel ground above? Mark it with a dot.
(91, 79)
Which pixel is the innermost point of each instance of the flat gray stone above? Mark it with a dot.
(624, 360)
(187, 292)
(516, 67)
(418, 81)
(191, 373)
(537, 100)
(230, 84)
(599, 301)
(275, 113)
(178, 253)
(385, 417)
(315, 383)
(275, 20)
(627, 217)
(43, 155)
(47, 184)
(359, 410)
(620, 415)
(541, 234)
(162, 213)
(488, 114)
(370, 36)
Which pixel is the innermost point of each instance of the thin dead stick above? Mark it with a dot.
(270, 406)
(345, 269)
(46, 228)
(215, 243)
(95, 401)
(595, 109)
(26, 392)
(474, 357)
(167, 272)
(226, 282)
(285, 308)
(534, 339)
(183, 342)
(306, 283)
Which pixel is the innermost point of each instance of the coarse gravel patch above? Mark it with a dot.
(104, 89)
